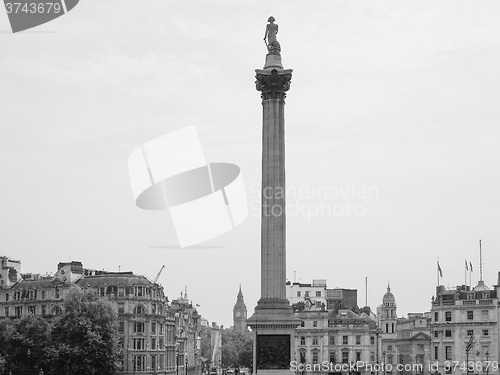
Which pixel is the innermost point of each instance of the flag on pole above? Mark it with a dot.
(440, 270)
(470, 344)
(470, 264)
(466, 266)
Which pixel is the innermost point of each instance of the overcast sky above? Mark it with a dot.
(398, 98)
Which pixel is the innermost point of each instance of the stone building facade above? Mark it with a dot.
(465, 318)
(156, 337)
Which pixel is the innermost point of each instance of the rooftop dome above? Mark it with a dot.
(481, 287)
(388, 297)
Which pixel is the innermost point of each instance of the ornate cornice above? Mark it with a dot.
(273, 84)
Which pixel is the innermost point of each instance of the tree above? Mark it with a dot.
(2, 364)
(23, 342)
(84, 337)
(237, 348)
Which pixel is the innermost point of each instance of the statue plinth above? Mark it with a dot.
(273, 61)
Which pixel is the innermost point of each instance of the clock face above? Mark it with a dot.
(238, 314)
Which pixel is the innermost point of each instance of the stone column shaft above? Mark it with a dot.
(273, 224)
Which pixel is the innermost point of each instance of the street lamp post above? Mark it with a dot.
(383, 363)
(186, 365)
(177, 359)
(487, 362)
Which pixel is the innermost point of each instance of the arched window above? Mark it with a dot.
(139, 310)
(56, 310)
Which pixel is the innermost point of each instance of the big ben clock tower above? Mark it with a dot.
(240, 314)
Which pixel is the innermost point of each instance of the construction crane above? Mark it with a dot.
(158, 274)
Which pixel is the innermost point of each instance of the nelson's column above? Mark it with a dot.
(273, 322)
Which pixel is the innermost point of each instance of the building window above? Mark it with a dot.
(160, 342)
(315, 323)
(436, 353)
(392, 328)
(121, 291)
(153, 362)
(302, 324)
(56, 311)
(160, 328)
(302, 340)
(139, 327)
(345, 340)
(436, 316)
(298, 293)
(333, 357)
(139, 344)
(486, 332)
(389, 359)
(6, 297)
(372, 356)
(121, 327)
(32, 310)
(307, 293)
(315, 357)
(358, 340)
(345, 357)
(139, 362)
(470, 315)
(121, 308)
(358, 356)
(318, 293)
(57, 295)
(485, 315)
(302, 357)
(470, 332)
(138, 291)
(332, 340)
(447, 333)
(436, 333)
(153, 343)
(389, 348)
(447, 316)
(486, 295)
(315, 340)
(43, 294)
(372, 340)
(139, 310)
(386, 327)
(448, 353)
(6, 311)
(153, 308)
(153, 328)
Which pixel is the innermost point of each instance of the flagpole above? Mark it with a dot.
(465, 271)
